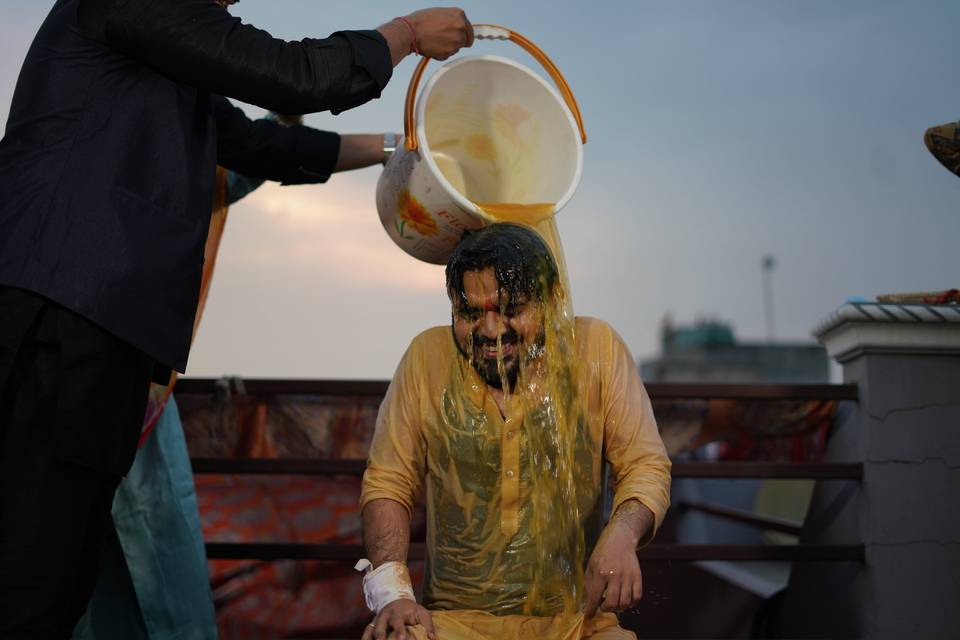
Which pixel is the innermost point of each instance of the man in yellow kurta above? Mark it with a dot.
(505, 422)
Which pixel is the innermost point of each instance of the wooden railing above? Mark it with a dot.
(729, 470)
(850, 472)
(656, 390)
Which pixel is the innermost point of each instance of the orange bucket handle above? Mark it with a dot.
(492, 32)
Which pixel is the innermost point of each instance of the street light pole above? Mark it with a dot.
(768, 263)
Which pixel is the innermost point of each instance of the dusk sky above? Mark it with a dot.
(718, 132)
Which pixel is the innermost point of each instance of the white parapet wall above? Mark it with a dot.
(905, 429)
(858, 328)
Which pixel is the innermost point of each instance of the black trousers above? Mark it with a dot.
(72, 400)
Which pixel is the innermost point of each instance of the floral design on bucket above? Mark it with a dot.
(412, 213)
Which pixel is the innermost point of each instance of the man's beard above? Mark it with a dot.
(488, 367)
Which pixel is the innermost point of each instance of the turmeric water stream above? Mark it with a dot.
(537, 567)
(541, 217)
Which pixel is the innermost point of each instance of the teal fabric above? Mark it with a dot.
(154, 581)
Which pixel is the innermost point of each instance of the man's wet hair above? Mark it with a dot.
(520, 259)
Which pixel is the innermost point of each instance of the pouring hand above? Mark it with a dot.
(441, 32)
(436, 33)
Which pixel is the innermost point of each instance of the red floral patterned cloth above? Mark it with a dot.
(265, 600)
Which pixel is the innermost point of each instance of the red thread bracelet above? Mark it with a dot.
(413, 35)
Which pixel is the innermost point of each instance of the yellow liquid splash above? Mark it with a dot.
(529, 214)
(555, 437)
(545, 559)
(540, 216)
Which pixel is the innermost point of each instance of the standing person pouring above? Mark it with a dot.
(106, 184)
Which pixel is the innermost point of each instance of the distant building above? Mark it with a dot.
(708, 351)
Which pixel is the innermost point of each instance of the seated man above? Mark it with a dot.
(506, 420)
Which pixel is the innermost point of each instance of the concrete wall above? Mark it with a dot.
(906, 431)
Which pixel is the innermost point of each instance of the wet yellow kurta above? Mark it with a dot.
(439, 428)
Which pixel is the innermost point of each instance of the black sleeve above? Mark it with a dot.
(199, 43)
(265, 149)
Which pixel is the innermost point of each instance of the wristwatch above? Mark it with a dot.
(389, 145)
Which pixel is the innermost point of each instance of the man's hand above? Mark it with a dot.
(613, 581)
(439, 33)
(395, 617)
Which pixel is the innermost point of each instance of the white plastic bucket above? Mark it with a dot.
(486, 130)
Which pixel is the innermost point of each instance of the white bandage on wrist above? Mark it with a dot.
(388, 582)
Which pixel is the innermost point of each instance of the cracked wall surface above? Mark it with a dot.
(906, 431)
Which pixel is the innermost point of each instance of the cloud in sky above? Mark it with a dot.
(330, 230)
(308, 284)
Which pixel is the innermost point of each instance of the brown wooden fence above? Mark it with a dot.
(841, 472)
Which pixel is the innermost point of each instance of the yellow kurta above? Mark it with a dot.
(439, 428)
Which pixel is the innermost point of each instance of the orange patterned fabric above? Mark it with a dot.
(160, 394)
(285, 598)
(261, 600)
(257, 600)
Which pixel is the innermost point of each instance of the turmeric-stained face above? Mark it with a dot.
(495, 330)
